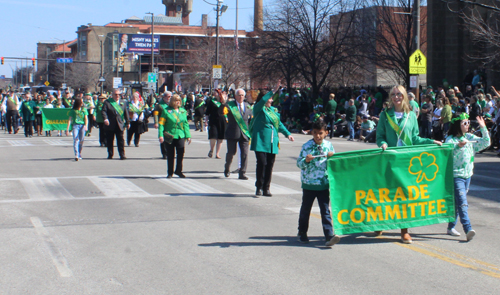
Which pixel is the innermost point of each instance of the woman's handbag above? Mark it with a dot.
(167, 137)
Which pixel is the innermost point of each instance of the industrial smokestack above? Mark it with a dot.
(258, 16)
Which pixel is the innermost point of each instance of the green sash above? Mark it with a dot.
(238, 118)
(12, 100)
(217, 103)
(135, 109)
(117, 107)
(273, 117)
(26, 104)
(399, 132)
(200, 105)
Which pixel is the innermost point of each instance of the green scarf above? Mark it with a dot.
(399, 132)
(117, 107)
(238, 118)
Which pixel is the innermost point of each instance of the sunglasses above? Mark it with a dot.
(465, 123)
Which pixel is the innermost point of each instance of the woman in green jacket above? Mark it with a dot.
(265, 126)
(174, 130)
(398, 126)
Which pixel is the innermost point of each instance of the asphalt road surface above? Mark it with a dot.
(101, 226)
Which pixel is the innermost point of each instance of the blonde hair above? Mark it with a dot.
(405, 103)
(173, 100)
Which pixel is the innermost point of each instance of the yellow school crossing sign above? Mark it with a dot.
(418, 63)
(46, 83)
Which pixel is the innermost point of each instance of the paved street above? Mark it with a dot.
(101, 226)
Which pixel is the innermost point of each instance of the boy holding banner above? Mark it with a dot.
(314, 176)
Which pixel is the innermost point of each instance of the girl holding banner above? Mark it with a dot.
(398, 126)
(466, 145)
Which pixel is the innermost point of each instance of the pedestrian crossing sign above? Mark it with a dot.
(418, 63)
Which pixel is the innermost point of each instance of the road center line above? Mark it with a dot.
(448, 256)
(57, 257)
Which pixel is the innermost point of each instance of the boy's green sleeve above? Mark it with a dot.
(301, 160)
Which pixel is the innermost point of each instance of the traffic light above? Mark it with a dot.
(33, 61)
(122, 60)
(2, 60)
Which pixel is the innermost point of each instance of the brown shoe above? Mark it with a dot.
(378, 233)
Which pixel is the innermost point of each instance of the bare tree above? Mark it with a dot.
(78, 75)
(387, 28)
(482, 20)
(234, 66)
(318, 41)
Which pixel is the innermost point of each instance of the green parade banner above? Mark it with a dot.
(55, 119)
(401, 187)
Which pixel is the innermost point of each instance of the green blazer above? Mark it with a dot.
(174, 123)
(265, 137)
(387, 135)
(28, 115)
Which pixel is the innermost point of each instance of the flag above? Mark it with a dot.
(401, 187)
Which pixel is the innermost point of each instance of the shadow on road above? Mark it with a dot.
(291, 241)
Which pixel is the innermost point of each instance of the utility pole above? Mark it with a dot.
(102, 68)
(416, 42)
(152, 41)
(217, 33)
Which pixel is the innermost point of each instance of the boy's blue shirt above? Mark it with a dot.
(314, 175)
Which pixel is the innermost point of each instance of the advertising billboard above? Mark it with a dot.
(138, 43)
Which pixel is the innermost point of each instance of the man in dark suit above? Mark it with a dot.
(116, 117)
(237, 133)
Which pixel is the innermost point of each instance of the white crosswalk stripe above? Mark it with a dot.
(50, 189)
(188, 186)
(19, 143)
(45, 189)
(56, 142)
(115, 187)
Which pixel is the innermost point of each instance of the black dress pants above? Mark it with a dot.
(28, 128)
(102, 134)
(11, 120)
(120, 143)
(134, 131)
(177, 146)
(265, 164)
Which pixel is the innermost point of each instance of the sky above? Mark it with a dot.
(23, 23)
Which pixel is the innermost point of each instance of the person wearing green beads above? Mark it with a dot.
(465, 146)
(78, 117)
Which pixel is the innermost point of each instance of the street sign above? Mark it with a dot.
(151, 77)
(66, 60)
(217, 72)
(46, 83)
(102, 79)
(152, 86)
(413, 81)
(418, 63)
(64, 86)
(117, 82)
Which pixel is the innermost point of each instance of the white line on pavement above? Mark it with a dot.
(57, 257)
(117, 187)
(45, 189)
